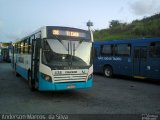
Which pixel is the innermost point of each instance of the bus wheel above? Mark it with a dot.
(108, 72)
(31, 82)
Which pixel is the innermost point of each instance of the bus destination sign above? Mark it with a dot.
(66, 33)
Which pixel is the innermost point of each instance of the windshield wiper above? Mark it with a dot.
(67, 49)
(76, 47)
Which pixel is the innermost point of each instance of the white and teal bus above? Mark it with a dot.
(55, 58)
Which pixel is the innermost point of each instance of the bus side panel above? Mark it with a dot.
(122, 65)
(101, 63)
(97, 63)
(153, 68)
(22, 71)
(23, 64)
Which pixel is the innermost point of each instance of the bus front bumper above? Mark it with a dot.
(50, 86)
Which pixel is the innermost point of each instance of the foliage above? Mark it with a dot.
(147, 27)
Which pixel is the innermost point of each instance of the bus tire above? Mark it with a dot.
(31, 83)
(108, 71)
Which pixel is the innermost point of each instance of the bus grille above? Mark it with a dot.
(70, 78)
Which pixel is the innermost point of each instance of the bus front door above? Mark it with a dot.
(140, 61)
(35, 62)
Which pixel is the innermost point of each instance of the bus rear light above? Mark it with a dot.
(46, 77)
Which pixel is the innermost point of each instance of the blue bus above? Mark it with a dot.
(55, 58)
(139, 58)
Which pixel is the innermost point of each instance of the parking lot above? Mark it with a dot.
(107, 96)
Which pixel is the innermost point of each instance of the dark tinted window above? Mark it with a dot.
(106, 50)
(15, 48)
(140, 52)
(30, 45)
(22, 47)
(19, 47)
(25, 46)
(136, 53)
(123, 50)
(143, 53)
(155, 50)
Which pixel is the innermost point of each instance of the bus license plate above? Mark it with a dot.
(71, 86)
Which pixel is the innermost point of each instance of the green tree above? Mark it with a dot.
(114, 23)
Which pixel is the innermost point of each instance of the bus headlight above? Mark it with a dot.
(90, 76)
(46, 77)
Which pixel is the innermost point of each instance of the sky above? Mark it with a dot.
(19, 18)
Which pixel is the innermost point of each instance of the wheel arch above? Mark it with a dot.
(108, 68)
(108, 65)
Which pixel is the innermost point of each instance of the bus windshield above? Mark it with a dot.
(66, 54)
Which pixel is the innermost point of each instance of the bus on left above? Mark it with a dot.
(55, 58)
(5, 51)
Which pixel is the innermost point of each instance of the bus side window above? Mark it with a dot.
(15, 48)
(22, 47)
(26, 46)
(107, 50)
(136, 53)
(143, 53)
(19, 47)
(29, 45)
(123, 50)
(154, 50)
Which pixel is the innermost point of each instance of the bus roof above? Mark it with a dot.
(139, 40)
(45, 32)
